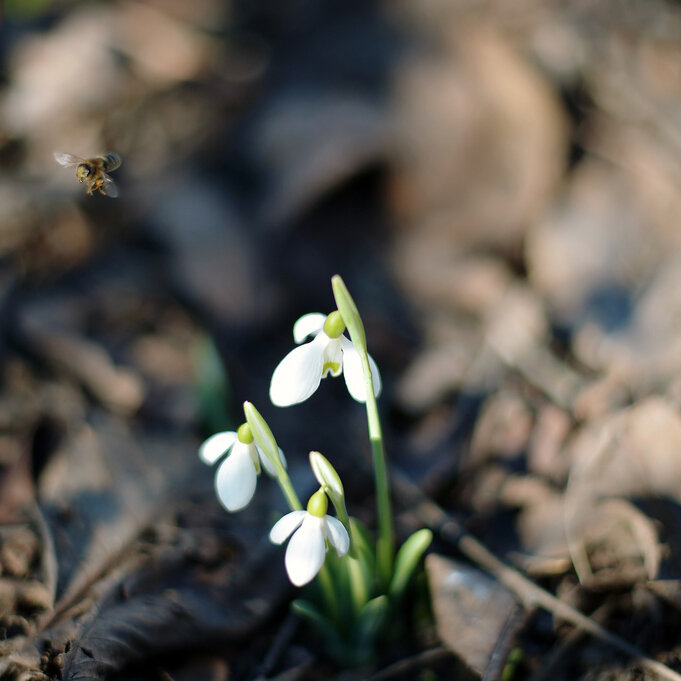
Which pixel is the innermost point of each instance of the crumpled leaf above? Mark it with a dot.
(118, 601)
(166, 607)
(621, 458)
(587, 247)
(472, 610)
(310, 145)
(53, 328)
(474, 92)
(101, 488)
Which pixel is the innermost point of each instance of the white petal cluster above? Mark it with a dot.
(306, 549)
(237, 474)
(299, 374)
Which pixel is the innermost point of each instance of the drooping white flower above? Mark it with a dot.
(237, 473)
(330, 352)
(311, 531)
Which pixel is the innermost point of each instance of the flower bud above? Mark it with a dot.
(262, 434)
(331, 483)
(326, 475)
(348, 310)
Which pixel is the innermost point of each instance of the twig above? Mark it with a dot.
(525, 590)
(548, 670)
(282, 640)
(408, 664)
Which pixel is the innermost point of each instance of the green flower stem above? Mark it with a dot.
(384, 517)
(287, 490)
(353, 322)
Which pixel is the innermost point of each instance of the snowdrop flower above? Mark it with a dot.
(237, 473)
(330, 352)
(310, 531)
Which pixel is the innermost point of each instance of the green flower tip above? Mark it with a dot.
(334, 325)
(261, 432)
(245, 434)
(326, 474)
(318, 504)
(349, 313)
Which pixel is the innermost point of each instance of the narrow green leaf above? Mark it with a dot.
(365, 549)
(211, 385)
(407, 560)
(361, 583)
(322, 624)
(370, 621)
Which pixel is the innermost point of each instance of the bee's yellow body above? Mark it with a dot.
(93, 171)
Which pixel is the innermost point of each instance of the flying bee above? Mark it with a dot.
(93, 171)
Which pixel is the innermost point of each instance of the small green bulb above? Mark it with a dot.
(245, 434)
(318, 504)
(334, 325)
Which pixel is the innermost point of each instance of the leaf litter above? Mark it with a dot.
(498, 185)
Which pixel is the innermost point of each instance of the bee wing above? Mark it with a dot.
(109, 187)
(66, 159)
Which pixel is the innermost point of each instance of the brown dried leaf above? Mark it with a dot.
(482, 139)
(622, 457)
(472, 610)
(589, 241)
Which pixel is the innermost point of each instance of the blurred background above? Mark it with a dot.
(498, 185)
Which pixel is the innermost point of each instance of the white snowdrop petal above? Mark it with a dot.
(268, 465)
(353, 373)
(337, 535)
(298, 375)
(306, 551)
(236, 478)
(333, 354)
(307, 325)
(375, 376)
(285, 525)
(215, 446)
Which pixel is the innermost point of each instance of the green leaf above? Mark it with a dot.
(365, 549)
(212, 386)
(361, 583)
(407, 560)
(26, 9)
(370, 621)
(320, 622)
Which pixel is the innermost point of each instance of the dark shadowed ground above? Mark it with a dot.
(499, 184)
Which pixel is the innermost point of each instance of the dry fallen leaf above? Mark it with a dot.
(472, 610)
(481, 140)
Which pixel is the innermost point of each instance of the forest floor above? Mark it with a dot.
(498, 185)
